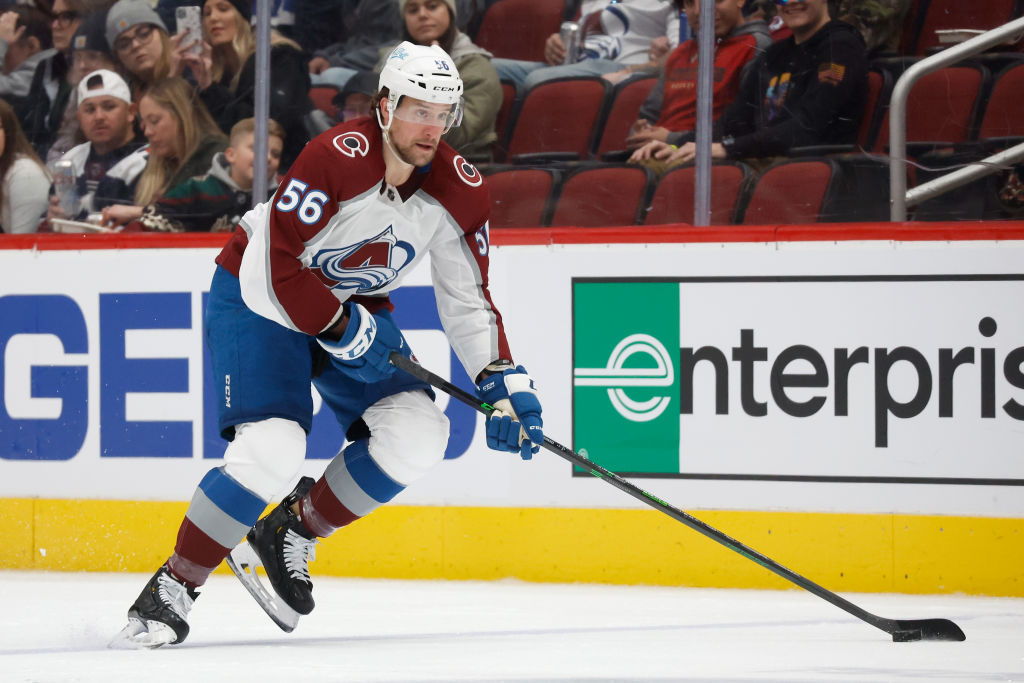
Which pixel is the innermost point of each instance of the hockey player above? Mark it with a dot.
(301, 293)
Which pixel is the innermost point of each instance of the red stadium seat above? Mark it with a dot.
(323, 99)
(673, 201)
(1004, 115)
(792, 192)
(620, 112)
(509, 95)
(520, 196)
(603, 195)
(956, 14)
(556, 119)
(517, 29)
(941, 107)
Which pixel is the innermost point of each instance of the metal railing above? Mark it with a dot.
(900, 198)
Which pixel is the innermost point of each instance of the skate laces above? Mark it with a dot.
(298, 552)
(174, 595)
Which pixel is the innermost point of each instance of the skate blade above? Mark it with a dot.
(244, 561)
(139, 635)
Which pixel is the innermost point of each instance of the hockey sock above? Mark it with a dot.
(352, 486)
(221, 512)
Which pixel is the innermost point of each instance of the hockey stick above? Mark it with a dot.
(901, 630)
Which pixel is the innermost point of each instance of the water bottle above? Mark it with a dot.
(64, 182)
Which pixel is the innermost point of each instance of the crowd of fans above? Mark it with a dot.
(156, 126)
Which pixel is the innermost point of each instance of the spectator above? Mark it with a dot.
(216, 201)
(183, 138)
(226, 74)
(670, 112)
(26, 182)
(880, 22)
(142, 45)
(106, 166)
(626, 37)
(356, 98)
(809, 89)
(89, 52)
(50, 86)
(432, 22)
(366, 28)
(25, 41)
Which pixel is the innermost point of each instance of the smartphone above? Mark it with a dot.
(190, 21)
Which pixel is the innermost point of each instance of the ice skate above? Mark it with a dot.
(282, 546)
(159, 615)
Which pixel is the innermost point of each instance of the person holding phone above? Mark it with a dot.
(225, 74)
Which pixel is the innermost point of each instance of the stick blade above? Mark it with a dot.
(910, 630)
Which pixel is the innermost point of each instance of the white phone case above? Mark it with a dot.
(190, 20)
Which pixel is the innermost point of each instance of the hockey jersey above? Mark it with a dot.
(336, 230)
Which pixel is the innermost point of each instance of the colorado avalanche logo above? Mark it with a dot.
(366, 266)
(467, 172)
(352, 143)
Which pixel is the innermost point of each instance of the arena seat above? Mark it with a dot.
(619, 113)
(673, 201)
(555, 120)
(520, 197)
(602, 195)
(792, 192)
(323, 99)
(518, 29)
(942, 107)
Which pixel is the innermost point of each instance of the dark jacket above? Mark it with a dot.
(807, 94)
(47, 99)
(289, 98)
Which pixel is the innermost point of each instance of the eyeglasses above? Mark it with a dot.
(65, 18)
(142, 35)
(782, 3)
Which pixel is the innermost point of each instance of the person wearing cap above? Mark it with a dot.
(225, 74)
(106, 166)
(140, 41)
(428, 22)
(301, 294)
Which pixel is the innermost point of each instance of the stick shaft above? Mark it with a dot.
(887, 625)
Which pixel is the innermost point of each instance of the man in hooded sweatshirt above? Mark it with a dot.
(808, 89)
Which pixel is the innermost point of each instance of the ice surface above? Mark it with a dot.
(56, 627)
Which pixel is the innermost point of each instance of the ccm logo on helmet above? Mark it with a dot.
(351, 143)
(444, 88)
(467, 172)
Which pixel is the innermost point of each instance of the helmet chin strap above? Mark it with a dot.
(387, 138)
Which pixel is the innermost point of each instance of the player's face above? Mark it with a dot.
(416, 129)
(427, 20)
(160, 127)
(220, 21)
(105, 120)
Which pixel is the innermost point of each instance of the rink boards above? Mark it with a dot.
(848, 400)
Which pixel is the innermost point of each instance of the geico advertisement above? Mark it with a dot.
(884, 379)
(104, 368)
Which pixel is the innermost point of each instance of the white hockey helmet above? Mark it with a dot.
(423, 72)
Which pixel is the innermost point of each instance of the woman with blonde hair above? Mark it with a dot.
(225, 73)
(183, 139)
(26, 182)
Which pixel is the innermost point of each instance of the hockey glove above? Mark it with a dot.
(515, 425)
(364, 349)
